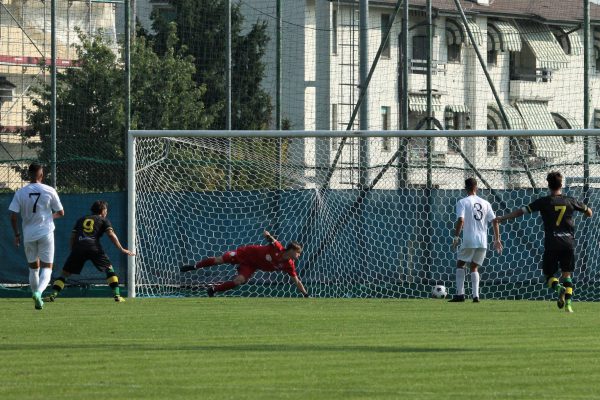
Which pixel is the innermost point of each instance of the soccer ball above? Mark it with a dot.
(439, 291)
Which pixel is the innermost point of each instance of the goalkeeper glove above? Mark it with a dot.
(187, 268)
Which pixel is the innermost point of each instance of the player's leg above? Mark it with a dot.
(46, 254)
(228, 258)
(550, 268)
(477, 260)
(460, 281)
(567, 262)
(244, 273)
(58, 285)
(31, 253)
(73, 265)
(103, 264)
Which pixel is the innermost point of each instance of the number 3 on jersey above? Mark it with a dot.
(561, 212)
(478, 211)
(88, 225)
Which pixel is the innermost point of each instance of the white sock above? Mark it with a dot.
(460, 281)
(34, 279)
(475, 283)
(45, 276)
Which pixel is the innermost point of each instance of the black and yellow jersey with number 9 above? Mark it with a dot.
(89, 229)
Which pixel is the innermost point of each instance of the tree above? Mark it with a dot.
(91, 109)
(201, 27)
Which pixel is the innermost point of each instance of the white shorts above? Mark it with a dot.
(43, 248)
(476, 256)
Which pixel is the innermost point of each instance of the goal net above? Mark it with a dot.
(381, 226)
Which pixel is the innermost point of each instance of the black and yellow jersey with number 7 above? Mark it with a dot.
(557, 213)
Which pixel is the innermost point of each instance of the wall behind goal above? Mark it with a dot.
(14, 265)
(398, 245)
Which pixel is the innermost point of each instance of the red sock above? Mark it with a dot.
(225, 286)
(207, 262)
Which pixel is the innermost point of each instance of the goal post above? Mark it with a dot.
(375, 226)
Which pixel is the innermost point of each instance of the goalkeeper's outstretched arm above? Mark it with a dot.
(300, 286)
(269, 238)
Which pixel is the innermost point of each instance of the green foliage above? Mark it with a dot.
(91, 141)
(201, 27)
(164, 93)
(90, 137)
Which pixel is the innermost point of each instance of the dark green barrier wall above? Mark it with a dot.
(13, 263)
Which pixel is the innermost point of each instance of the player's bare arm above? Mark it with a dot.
(512, 215)
(300, 286)
(457, 230)
(58, 214)
(15, 226)
(268, 236)
(113, 237)
(588, 213)
(497, 240)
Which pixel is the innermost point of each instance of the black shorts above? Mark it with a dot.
(79, 255)
(558, 257)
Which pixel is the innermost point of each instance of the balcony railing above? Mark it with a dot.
(420, 67)
(541, 75)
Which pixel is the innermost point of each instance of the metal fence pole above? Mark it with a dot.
(53, 90)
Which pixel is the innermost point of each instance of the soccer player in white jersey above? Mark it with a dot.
(473, 215)
(38, 205)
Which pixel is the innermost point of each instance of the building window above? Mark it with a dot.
(419, 55)
(454, 53)
(334, 32)
(492, 57)
(455, 121)
(562, 38)
(492, 145)
(597, 57)
(522, 65)
(385, 25)
(492, 141)
(385, 126)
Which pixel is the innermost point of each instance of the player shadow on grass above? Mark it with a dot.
(260, 348)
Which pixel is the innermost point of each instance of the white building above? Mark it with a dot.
(533, 52)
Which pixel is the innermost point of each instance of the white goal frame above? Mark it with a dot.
(274, 134)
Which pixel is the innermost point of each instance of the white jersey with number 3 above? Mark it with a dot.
(476, 214)
(36, 202)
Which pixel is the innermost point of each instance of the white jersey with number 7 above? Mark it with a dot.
(36, 202)
(476, 214)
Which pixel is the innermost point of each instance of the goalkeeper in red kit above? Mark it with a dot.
(272, 257)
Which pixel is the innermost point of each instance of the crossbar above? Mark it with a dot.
(358, 133)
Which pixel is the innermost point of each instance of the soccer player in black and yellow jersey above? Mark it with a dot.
(85, 245)
(559, 230)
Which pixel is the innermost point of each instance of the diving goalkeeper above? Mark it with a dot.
(272, 257)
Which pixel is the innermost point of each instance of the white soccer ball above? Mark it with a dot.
(439, 291)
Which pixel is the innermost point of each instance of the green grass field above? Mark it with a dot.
(258, 348)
